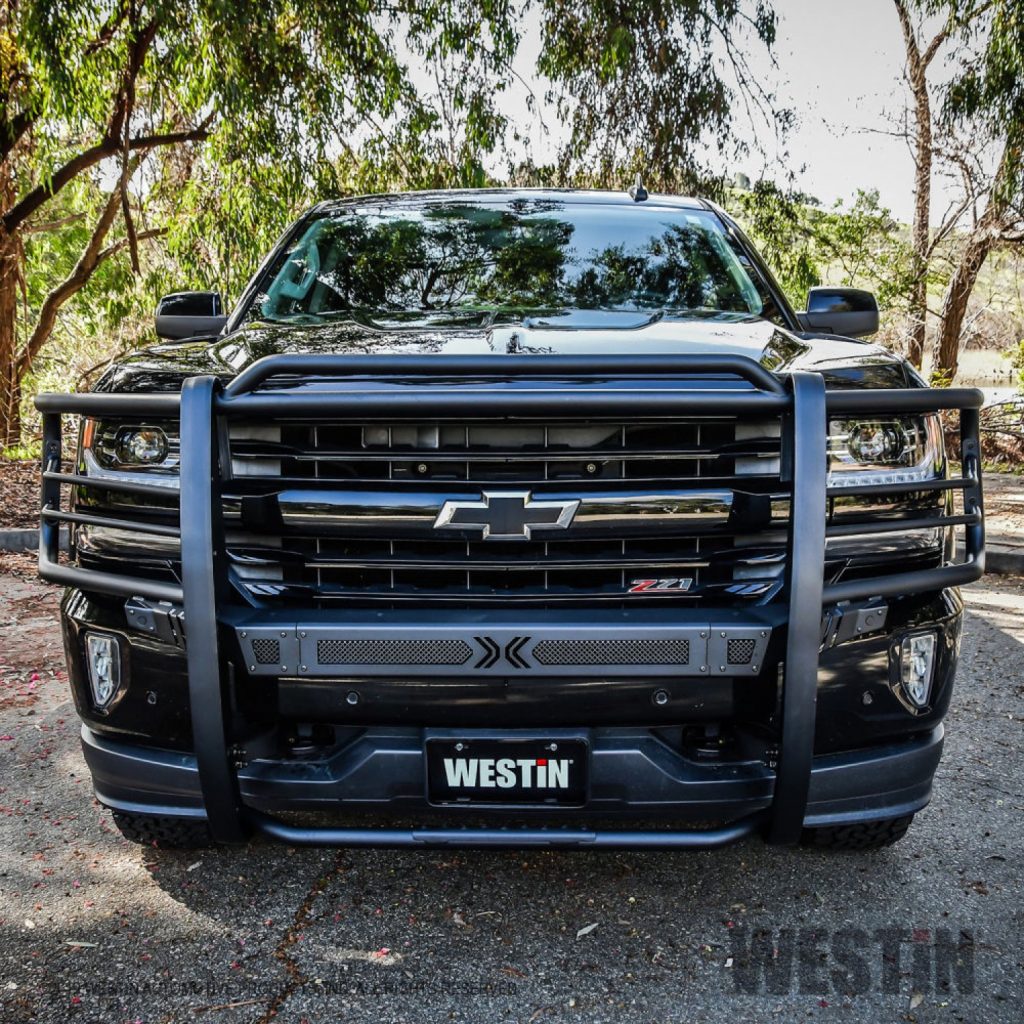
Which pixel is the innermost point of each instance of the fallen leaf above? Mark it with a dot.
(586, 930)
(916, 1000)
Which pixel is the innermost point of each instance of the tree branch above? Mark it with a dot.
(107, 32)
(90, 259)
(933, 47)
(122, 243)
(909, 35)
(50, 225)
(12, 131)
(113, 140)
(948, 223)
(126, 212)
(81, 273)
(89, 158)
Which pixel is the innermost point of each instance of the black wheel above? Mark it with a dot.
(868, 835)
(167, 833)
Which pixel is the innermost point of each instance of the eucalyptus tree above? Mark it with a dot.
(133, 96)
(966, 119)
(986, 98)
(198, 126)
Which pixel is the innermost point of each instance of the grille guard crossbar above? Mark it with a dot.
(673, 385)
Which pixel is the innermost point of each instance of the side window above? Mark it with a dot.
(769, 307)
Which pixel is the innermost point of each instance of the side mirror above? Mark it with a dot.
(846, 311)
(190, 314)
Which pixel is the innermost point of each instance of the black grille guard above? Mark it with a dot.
(684, 385)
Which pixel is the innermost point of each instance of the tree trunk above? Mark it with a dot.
(946, 353)
(917, 69)
(10, 387)
(946, 357)
(918, 311)
(10, 390)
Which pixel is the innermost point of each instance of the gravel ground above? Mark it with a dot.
(19, 493)
(95, 929)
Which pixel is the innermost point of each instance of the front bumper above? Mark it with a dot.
(633, 774)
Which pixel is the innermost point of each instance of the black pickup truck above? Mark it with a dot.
(514, 517)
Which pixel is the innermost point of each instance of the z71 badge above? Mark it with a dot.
(668, 586)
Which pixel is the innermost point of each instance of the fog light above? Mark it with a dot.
(103, 654)
(917, 663)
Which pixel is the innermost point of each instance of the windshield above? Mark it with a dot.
(458, 257)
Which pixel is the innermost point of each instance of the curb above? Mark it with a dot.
(27, 540)
(1001, 559)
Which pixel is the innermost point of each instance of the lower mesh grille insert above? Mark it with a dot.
(393, 652)
(612, 652)
(740, 652)
(266, 652)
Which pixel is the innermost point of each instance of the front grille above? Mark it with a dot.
(323, 513)
(613, 652)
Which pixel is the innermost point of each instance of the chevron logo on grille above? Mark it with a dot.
(510, 515)
(493, 652)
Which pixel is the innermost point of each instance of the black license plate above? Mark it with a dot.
(489, 771)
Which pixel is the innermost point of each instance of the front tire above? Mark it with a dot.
(866, 835)
(166, 833)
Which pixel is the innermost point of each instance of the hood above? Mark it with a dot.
(843, 361)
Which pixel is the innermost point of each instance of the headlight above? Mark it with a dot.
(123, 450)
(141, 446)
(890, 450)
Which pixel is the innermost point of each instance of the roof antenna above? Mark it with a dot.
(637, 192)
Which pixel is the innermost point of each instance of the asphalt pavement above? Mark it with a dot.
(93, 928)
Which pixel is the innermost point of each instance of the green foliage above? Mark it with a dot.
(159, 144)
(779, 224)
(208, 124)
(856, 245)
(22, 452)
(649, 86)
(1018, 363)
(989, 90)
(112, 312)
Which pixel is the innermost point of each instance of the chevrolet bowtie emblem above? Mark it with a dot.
(508, 515)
